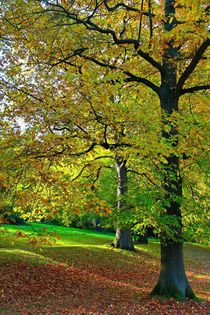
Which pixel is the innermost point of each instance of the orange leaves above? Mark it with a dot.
(21, 234)
(64, 2)
(90, 281)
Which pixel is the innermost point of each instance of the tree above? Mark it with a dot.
(123, 237)
(97, 125)
(121, 40)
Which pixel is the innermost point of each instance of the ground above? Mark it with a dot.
(79, 274)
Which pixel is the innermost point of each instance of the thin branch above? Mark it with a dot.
(82, 129)
(87, 165)
(64, 128)
(91, 147)
(100, 63)
(94, 27)
(80, 172)
(103, 157)
(140, 22)
(76, 52)
(150, 18)
(105, 134)
(45, 155)
(94, 10)
(12, 86)
(97, 176)
(145, 175)
(48, 155)
(112, 146)
(124, 6)
(97, 117)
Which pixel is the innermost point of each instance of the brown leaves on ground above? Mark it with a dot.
(120, 286)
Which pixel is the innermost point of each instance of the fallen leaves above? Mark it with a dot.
(94, 287)
(90, 278)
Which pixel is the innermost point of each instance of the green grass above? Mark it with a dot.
(65, 232)
(64, 243)
(69, 245)
(50, 239)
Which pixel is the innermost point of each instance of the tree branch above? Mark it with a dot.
(88, 164)
(134, 42)
(145, 175)
(80, 172)
(56, 153)
(150, 18)
(149, 59)
(92, 26)
(131, 77)
(195, 60)
(91, 147)
(124, 6)
(194, 89)
(12, 86)
(148, 83)
(112, 146)
(76, 52)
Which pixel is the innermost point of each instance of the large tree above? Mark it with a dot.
(117, 42)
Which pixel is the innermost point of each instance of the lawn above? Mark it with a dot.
(70, 271)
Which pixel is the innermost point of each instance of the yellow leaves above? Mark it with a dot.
(163, 160)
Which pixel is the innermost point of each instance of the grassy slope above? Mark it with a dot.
(79, 273)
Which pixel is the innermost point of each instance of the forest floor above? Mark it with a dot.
(77, 273)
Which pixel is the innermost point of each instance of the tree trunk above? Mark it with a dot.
(172, 280)
(123, 238)
(96, 224)
(142, 239)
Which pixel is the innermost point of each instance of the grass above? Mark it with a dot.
(57, 243)
(74, 271)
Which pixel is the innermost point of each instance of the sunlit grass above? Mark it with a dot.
(68, 244)
(63, 244)
(58, 235)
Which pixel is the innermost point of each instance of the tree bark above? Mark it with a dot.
(123, 238)
(172, 280)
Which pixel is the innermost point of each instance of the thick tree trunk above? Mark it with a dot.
(123, 238)
(172, 280)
